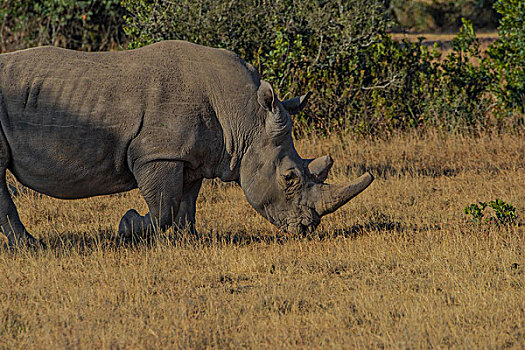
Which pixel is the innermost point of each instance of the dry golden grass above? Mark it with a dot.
(444, 40)
(400, 266)
(441, 37)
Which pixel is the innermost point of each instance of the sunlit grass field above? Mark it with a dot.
(401, 266)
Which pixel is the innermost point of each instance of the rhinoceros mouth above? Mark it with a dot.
(300, 229)
(302, 225)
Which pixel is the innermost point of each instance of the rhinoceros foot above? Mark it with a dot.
(24, 241)
(133, 225)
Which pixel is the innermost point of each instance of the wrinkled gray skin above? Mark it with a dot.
(160, 118)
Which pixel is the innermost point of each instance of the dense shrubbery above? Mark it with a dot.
(507, 58)
(297, 45)
(83, 25)
(364, 81)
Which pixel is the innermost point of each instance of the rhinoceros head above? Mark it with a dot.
(284, 188)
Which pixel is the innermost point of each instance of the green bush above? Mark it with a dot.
(461, 101)
(364, 81)
(507, 59)
(84, 25)
(299, 45)
(504, 213)
(449, 93)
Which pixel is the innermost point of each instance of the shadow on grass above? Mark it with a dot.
(107, 239)
(386, 171)
(360, 230)
(244, 238)
(68, 242)
(81, 243)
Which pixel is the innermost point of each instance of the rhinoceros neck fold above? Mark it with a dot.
(239, 129)
(232, 93)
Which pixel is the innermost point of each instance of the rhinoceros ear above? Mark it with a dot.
(295, 104)
(266, 96)
(320, 167)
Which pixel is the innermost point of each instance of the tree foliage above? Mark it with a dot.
(363, 80)
(507, 57)
(84, 25)
(297, 45)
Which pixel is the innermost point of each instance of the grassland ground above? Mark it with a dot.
(400, 266)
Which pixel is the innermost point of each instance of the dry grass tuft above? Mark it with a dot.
(400, 266)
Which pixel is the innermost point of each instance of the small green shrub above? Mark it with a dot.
(504, 213)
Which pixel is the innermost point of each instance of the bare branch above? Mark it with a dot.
(392, 80)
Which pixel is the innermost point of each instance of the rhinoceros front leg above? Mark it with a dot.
(188, 206)
(161, 185)
(10, 223)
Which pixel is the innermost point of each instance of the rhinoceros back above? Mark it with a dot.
(71, 118)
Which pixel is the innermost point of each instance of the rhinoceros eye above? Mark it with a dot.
(290, 179)
(289, 175)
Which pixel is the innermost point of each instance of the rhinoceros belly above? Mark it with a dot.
(69, 161)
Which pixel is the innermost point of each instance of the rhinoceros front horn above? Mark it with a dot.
(334, 196)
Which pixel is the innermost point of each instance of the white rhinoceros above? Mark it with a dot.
(160, 118)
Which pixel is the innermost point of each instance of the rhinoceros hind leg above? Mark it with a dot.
(10, 223)
(160, 183)
(186, 216)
